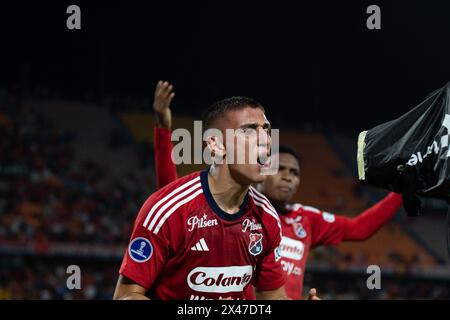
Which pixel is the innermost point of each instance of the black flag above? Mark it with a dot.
(410, 155)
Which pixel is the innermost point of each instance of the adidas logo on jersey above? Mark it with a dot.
(200, 246)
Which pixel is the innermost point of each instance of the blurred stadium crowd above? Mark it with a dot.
(59, 208)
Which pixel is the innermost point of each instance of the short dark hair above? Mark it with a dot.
(289, 150)
(220, 108)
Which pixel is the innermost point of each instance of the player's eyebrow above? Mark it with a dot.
(255, 126)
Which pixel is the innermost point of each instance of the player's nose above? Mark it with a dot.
(286, 176)
(264, 139)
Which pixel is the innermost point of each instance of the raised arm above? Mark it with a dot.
(330, 229)
(371, 220)
(165, 169)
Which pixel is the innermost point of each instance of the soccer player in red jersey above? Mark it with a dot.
(303, 227)
(189, 239)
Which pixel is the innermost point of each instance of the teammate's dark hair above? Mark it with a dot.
(289, 150)
(220, 108)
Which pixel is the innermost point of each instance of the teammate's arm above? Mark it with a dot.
(165, 169)
(371, 220)
(126, 289)
(328, 229)
(161, 104)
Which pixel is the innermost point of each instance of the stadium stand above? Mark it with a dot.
(69, 187)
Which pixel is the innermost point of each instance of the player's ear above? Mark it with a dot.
(214, 143)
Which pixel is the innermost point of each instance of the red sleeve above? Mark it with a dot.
(166, 171)
(270, 273)
(371, 220)
(328, 229)
(146, 253)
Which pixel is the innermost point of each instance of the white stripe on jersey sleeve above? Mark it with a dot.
(258, 195)
(171, 202)
(175, 207)
(156, 206)
(293, 206)
(265, 201)
(312, 209)
(260, 204)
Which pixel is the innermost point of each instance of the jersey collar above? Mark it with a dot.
(214, 206)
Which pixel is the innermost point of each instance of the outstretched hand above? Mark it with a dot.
(312, 294)
(161, 104)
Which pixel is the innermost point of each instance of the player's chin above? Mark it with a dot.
(249, 174)
(258, 179)
(285, 199)
(275, 196)
(279, 197)
(255, 174)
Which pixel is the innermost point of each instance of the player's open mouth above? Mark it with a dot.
(284, 189)
(263, 160)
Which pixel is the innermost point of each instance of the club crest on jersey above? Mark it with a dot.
(299, 230)
(277, 253)
(290, 220)
(255, 246)
(140, 249)
(328, 217)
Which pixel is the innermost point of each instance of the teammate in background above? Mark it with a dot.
(188, 240)
(303, 227)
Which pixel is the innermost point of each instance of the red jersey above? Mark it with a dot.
(183, 246)
(305, 227)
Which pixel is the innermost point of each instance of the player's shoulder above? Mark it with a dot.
(161, 205)
(264, 209)
(180, 186)
(298, 209)
(184, 182)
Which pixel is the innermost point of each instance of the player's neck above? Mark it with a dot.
(228, 194)
(280, 207)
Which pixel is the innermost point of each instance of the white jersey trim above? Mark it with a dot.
(165, 198)
(171, 202)
(175, 207)
(266, 209)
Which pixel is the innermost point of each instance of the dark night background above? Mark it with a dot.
(308, 62)
(73, 175)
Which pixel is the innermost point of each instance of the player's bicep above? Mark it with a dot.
(145, 257)
(127, 289)
(269, 274)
